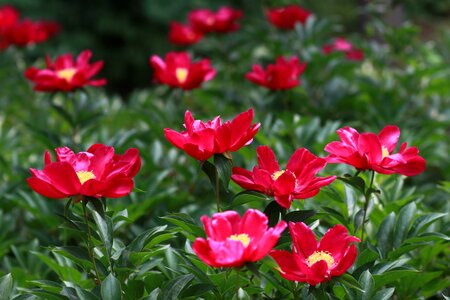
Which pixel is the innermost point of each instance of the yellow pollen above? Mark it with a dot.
(243, 238)
(277, 174)
(84, 176)
(181, 74)
(66, 74)
(384, 152)
(318, 256)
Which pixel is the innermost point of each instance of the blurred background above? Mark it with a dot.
(125, 33)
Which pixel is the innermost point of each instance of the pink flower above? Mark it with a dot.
(232, 241)
(297, 181)
(368, 151)
(183, 35)
(66, 74)
(222, 21)
(286, 17)
(98, 172)
(314, 262)
(279, 76)
(342, 45)
(203, 140)
(177, 70)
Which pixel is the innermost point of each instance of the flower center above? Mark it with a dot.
(84, 176)
(181, 74)
(243, 238)
(318, 256)
(384, 152)
(277, 174)
(66, 74)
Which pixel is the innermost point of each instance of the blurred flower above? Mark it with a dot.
(279, 76)
(222, 21)
(286, 17)
(65, 74)
(368, 151)
(232, 241)
(297, 181)
(98, 172)
(177, 70)
(27, 32)
(8, 17)
(203, 140)
(183, 35)
(342, 45)
(314, 262)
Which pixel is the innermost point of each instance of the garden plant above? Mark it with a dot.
(277, 152)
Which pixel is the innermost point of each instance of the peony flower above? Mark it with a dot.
(222, 21)
(98, 172)
(342, 45)
(177, 70)
(286, 17)
(27, 32)
(203, 140)
(232, 241)
(297, 181)
(368, 151)
(183, 35)
(314, 262)
(8, 17)
(65, 74)
(279, 76)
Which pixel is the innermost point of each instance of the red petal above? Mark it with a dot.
(266, 159)
(389, 137)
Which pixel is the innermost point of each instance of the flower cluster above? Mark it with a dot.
(344, 46)
(22, 33)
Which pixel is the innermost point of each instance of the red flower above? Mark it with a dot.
(95, 173)
(232, 241)
(8, 17)
(203, 140)
(279, 76)
(297, 181)
(65, 74)
(368, 151)
(177, 70)
(286, 17)
(314, 262)
(27, 32)
(183, 35)
(342, 45)
(222, 21)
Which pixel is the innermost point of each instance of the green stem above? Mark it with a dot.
(217, 189)
(90, 243)
(366, 204)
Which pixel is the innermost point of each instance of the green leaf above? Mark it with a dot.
(350, 281)
(354, 181)
(384, 235)
(197, 290)
(6, 287)
(273, 211)
(153, 280)
(391, 277)
(241, 295)
(403, 222)
(334, 213)
(85, 295)
(185, 222)
(110, 288)
(368, 286)
(384, 294)
(423, 221)
(104, 226)
(245, 197)
(134, 289)
(210, 171)
(299, 215)
(173, 289)
(223, 166)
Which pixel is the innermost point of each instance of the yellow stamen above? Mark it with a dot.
(384, 152)
(84, 176)
(318, 256)
(66, 74)
(181, 74)
(243, 238)
(277, 174)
